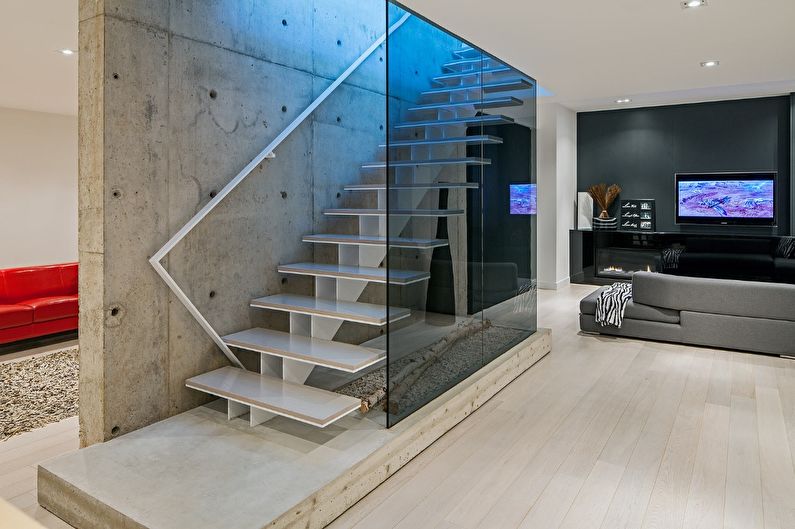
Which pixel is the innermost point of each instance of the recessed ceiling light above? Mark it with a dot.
(688, 4)
(710, 64)
(623, 100)
(66, 51)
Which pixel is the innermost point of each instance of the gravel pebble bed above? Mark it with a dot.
(465, 357)
(38, 391)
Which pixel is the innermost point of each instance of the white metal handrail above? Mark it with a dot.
(267, 152)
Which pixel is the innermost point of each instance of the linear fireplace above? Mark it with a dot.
(621, 263)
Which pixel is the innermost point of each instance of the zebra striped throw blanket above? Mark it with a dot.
(611, 303)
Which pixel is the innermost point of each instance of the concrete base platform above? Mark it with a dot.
(199, 470)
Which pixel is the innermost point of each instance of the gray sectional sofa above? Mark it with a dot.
(731, 314)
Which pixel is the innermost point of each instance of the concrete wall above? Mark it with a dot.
(38, 179)
(557, 187)
(175, 98)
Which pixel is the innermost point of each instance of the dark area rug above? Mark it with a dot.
(38, 391)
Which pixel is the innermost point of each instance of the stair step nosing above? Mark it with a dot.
(394, 213)
(335, 315)
(410, 277)
(483, 103)
(369, 356)
(461, 62)
(484, 71)
(483, 86)
(398, 243)
(458, 121)
(444, 141)
(440, 161)
(405, 187)
(242, 399)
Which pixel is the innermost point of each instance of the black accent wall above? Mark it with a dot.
(641, 150)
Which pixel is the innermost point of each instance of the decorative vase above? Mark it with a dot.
(604, 196)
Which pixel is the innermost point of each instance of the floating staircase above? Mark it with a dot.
(453, 103)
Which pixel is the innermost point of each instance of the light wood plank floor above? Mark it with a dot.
(603, 433)
(609, 433)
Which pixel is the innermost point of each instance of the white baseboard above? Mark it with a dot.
(548, 285)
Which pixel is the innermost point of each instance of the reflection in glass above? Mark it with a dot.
(460, 199)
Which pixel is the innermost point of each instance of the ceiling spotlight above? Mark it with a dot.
(623, 100)
(66, 51)
(688, 4)
(710, 64)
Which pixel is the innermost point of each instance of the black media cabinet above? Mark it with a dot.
(604, 256)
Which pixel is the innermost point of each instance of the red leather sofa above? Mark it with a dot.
(37, 301)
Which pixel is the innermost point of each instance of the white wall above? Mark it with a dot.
(557, 191)
(38, 188)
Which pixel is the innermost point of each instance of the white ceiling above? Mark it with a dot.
(34, 76)
(589, 53)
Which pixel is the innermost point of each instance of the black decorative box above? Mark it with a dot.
(638, 215)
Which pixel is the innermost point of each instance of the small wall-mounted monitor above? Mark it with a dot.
(523, 199)
(726, 198)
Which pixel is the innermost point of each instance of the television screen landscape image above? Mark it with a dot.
(726, 198)
(523, 199)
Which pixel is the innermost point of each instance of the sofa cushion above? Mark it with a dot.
(52, 307)
(647, 330)
(785, 270)
(68, 279)
(32, 282)
(717, 296)
(15, 316)
(762, 335)
(726, 245)
(635, 311)
(726, 264)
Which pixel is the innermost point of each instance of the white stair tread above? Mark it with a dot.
(493, 102)
(430, 185)
(304, 403)
(363, 273)
(355, 311)
(326, 353)
(364, 240)
(495, 86)
(487, 119)
(395, 212)
(468, 160)
(485, 139)
(478, 71)
(470, 62)
(466, 50)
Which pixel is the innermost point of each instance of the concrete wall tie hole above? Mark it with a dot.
(284, 22)
(213, 94)
(116, 193)
(115, 430)
(212, 294)
(213, 193)
(284, 194)
(113, 316)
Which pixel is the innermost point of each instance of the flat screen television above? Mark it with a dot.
(523, 199)
(726, 198)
